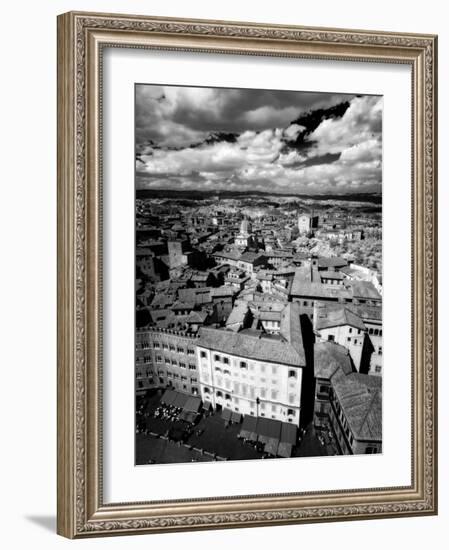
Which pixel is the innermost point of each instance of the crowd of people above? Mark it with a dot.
(167, 412)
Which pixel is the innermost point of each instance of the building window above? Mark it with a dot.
(192, 367)
(378, 369)
(180, 350)
(330, 337)
(167, 361)
(227, 396)
(203, 354)
(225, 360)
(380, 350)
(182, 365)
(348, 338)
(172, 347)
(290, 412)
(243, 365)
(350, 330)
(156, 345)
(216, 357)
(219, 393)
(206, 390)
(292, 373)
(191, 352)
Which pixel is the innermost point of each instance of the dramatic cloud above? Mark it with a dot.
(287, 142)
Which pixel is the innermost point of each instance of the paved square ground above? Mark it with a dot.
(210, 439)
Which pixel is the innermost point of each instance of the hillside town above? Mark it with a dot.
(258, 327)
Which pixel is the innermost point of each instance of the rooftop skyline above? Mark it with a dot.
(216, 139)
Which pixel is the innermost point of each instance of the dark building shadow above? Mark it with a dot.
(46, 522)
(308, 381)
(367, 351)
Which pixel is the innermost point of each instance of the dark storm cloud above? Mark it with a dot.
(194, 112)
(323, 159)
(240, 110)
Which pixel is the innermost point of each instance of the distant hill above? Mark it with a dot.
(375, 198)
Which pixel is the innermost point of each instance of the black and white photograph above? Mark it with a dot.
(258, 274)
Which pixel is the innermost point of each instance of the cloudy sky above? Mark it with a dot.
(235, 139)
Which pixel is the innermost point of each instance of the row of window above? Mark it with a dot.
(332, 281)
(144, 373)
(146, 359)
(274, 324)
(224, 371)
(235, 400)
(225, 360)
(245, 390)
(176, 376)
(175, 363)
(171, 347)
(143, 345)
(217, 358)
(292, 373)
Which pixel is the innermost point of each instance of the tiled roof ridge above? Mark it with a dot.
(289, 349)
(375, 394)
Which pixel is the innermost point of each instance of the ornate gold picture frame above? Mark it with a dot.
(82, 37)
